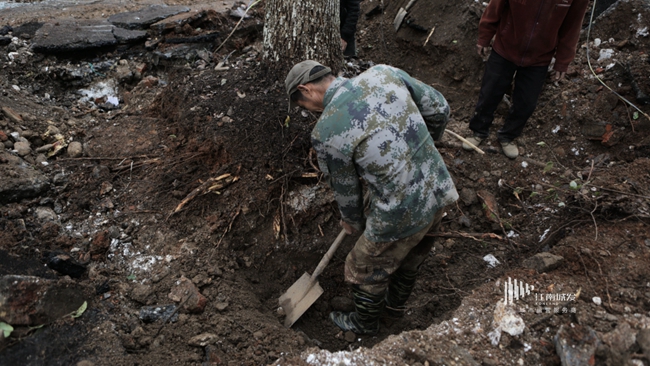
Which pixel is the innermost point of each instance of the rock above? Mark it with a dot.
(12, 115)
(185, 291)
(65, 265)
(214, 356)
(149, 81)
(22, 148)
(46, 214)
(507, 319)
(75, 149)
(576, 345)
(468, 196)
(465, 221)
(643, 339)
(490, 207)
(19, 180)
(203, 340)
(85, 363)
(28, 300)
(350, 336)
(44, 148)
(543, 262)
(73, 35)
(3, 136)
(258, 335)
(342, 303)
(100, 244)
(124, 36)
(221, 306)
(597, 300)
(5, 30)
(620, 339)
(141, 293)
(145, 17)
(150, 314)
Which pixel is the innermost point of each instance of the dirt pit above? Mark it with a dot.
(199, 190)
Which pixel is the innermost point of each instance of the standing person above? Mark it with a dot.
(349, 16)
(375, 127)
(527, 35)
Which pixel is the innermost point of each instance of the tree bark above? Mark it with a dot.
(298, 30)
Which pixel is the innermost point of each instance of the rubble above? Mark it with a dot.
(576, 345)
(74, 36)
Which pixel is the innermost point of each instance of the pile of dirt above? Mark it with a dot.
(200, 192)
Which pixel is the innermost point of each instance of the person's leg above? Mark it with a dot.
(351, 48)
(496, 81)
(529, 82)
(368, 267)
(402, 281)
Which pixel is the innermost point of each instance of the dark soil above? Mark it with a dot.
(573, 192)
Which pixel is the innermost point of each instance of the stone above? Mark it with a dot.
(342, 303)
(145, 17)
(100, 244)
(465, 221)
(643, 339)
(468, 196)
(141, 293)
(543, 262)
(350, 336)
(29, 300)
(620, 339)
(576, 345)
(22, 148)
(19, 179)
(75, 149)
(184, 291)
(73, 35)
(203, 340)
(125, 36)
(46, 214)
(214, 356)
(65, 265)
(151, 314)
(221, 306)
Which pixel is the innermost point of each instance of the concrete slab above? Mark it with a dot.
(73, 35)
(178, 20)
(145, 17)
(129, 36)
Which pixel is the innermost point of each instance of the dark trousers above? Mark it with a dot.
(496, 82)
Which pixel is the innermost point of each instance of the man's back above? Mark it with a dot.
(372, 126)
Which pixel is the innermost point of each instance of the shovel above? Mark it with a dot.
(304, 292)
(401, 14)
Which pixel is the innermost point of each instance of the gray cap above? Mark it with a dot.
(300, 74)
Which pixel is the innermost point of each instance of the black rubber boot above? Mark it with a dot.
(400, 288)
(365, 320)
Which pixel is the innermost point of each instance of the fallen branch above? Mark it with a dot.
(473, 236)
(210, 185)
(461, 138)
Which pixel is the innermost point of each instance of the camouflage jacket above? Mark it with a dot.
(372, 127)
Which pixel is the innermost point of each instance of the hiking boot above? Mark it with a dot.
(474, 140)
(400, 288)
(365, 320)
(510, 149)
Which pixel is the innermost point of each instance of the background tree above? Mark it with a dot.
(297, 30)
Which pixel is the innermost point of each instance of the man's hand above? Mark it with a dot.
(348, 228)
(482, 51)
(344, 44)
(559, 75)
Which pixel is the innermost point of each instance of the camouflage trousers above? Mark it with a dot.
(370, 265)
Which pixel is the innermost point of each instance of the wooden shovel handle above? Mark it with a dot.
(330, 253)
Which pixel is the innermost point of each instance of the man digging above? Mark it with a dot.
(378, 126)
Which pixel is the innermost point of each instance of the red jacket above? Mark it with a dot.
(531, 32)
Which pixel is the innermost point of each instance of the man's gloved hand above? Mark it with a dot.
(344, 44)
(436, 125)
(482, 51)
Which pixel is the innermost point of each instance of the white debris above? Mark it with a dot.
(512, 234)
(491, 260)
(556, 129)
(597, 300)
(544, 234)
(642, 32)
(597, 42)
(606, 53)
(507, 321)
(524, 164)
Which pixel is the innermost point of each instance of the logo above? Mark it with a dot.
(527, 300)
(515, 291)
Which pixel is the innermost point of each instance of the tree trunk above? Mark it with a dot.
(297, 30)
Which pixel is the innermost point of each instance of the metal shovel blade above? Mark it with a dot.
(299, 297)
(399, 18)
